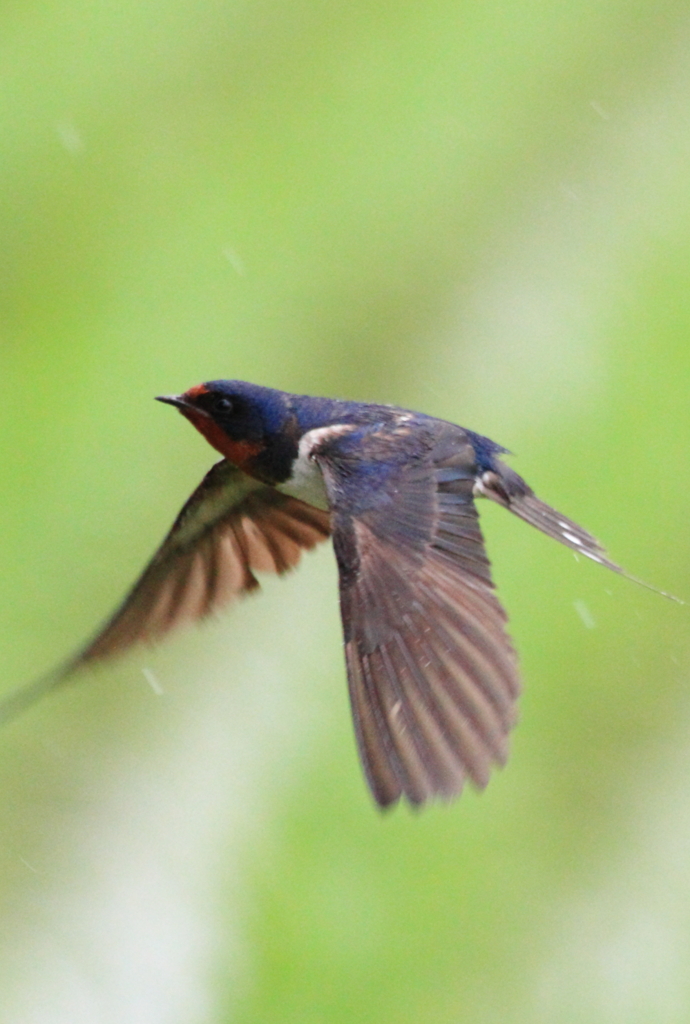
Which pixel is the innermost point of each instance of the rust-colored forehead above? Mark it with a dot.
(196, 391)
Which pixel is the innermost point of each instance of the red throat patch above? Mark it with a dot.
(238, 452)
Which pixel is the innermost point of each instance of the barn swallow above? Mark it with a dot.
(432, 673)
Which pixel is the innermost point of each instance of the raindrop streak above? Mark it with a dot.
(585, 614)
(153, 681)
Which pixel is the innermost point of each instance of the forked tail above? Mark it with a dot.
(504, 486)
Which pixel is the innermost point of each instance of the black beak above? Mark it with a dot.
(181, 403)
(177, 400)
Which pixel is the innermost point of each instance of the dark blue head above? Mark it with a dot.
(245, 412)
(248, 424)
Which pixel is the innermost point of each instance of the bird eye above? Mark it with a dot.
(222, 404)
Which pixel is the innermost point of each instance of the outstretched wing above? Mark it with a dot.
(231, 527)
(432, 674)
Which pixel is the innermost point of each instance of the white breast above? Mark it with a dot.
(306, 481)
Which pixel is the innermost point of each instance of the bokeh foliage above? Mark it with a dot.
(479, 210)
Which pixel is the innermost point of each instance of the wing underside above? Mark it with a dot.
(264, 532)
(231, 528)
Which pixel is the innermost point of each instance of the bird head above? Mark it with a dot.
(250, 425)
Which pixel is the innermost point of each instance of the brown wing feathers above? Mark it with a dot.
(434, 694)
(432, 674)
(231, 527)
(264, 531)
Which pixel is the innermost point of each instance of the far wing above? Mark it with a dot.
(432, 674)
(231, 527)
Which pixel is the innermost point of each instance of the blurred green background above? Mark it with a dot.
(480, 210)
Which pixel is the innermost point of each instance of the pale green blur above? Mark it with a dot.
(481, 210)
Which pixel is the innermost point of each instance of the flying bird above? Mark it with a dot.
(432, 673)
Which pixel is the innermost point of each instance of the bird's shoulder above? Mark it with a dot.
(380, 446)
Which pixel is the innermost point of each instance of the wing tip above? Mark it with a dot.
(387, 801)
(20, 700)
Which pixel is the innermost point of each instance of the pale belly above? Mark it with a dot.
(306, 482)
